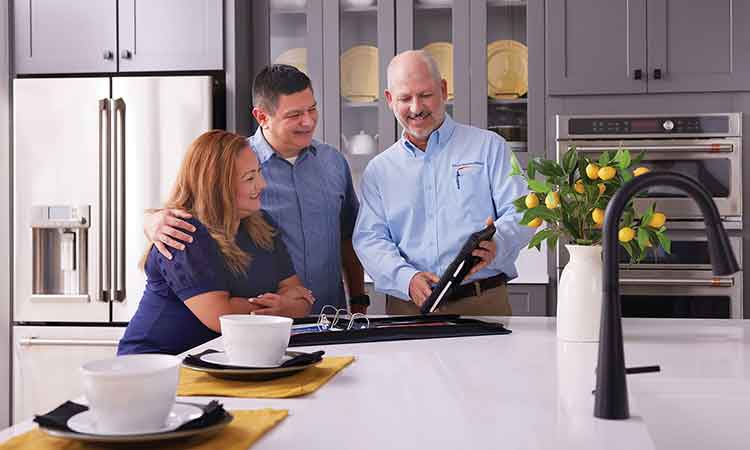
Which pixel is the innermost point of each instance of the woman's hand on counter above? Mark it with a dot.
(288, 304)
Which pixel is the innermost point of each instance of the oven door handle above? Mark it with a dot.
(709, 148)
(706, 282)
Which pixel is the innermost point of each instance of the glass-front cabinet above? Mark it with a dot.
(500, 92)
(440, 27)
(489, 51)
(357, 118)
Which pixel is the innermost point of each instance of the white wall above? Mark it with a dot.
(5, 216)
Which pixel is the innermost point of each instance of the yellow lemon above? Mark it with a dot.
(592, 170)
(607, 173)
(535, 222)
(552, 200)
(657, 220)
(532, 201)
(598, 215)
(579, 187)
(626, 234)
(641, 171)
(602, 188)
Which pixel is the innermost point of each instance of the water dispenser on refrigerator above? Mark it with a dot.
(60, 249)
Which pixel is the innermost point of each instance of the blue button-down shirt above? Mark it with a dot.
(417, 208)
(314, 205)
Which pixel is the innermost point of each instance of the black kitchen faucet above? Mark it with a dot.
(611, 389)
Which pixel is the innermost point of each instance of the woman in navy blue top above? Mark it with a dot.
(237, 263)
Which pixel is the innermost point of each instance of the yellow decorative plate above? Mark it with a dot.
(443, 54)
(359, 74)
(507, 69)
(296, 57)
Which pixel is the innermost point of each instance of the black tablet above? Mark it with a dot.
(457, 270)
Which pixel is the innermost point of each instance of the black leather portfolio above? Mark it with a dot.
(457, 270)
(396, 328)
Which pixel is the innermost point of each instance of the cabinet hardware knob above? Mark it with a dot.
(126, 54)
(657, 74)
(107, 54)
(637, 74)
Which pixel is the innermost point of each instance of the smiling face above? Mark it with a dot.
(248, 183)
(415, 96)
(290, 128)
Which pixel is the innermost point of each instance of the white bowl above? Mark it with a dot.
(255, 341)
(132, 392)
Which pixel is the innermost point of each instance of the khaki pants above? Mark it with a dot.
(492, 302)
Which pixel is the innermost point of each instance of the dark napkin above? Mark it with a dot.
(302, 359)
(57, 419)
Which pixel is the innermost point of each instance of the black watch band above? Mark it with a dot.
(363, 300)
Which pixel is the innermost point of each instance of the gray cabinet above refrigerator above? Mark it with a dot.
(105, 36)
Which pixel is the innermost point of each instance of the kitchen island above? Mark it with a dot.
(525, 390)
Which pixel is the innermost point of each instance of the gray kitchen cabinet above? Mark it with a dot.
(596, 46)
(160, 35)
(528, 299)
(637, 46)
(73, 36)
(698, 46)
(81, 36)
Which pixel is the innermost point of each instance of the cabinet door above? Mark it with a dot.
(158, 35)
(528, 299)
(47, 361)
(698, 46)
(74, 36)
(359, 41)
(500, 77)
(441, 27)
(596, 46)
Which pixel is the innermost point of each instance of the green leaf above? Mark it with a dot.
(665, 242)
(646, 218)
(626, 175)
(531, 169)
(623, 158)
(539, 211)
(627, 218)
(516, 168)
(604, 159)
(540, 236)
(539, 186)
(569, 160)
(638, 158)
(628, 248)
(643, 237)
(549, 168)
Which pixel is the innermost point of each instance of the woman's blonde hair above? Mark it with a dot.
(205, 188)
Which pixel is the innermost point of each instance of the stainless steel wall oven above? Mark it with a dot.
(707, 147)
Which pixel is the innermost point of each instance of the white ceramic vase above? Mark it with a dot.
(579, 295)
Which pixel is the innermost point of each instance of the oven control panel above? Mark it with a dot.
(648, 125)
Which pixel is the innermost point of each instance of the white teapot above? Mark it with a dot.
(361, 144)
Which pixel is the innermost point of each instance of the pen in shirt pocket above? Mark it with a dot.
(458, 178)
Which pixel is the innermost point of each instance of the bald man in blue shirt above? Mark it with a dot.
(422, 197)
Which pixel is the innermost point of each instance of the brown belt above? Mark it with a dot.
(475, 288)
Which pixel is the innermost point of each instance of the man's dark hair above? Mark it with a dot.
(276, 80)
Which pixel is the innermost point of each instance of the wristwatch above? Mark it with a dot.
(362, 299)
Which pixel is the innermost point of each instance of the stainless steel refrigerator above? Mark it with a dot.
(90, 155)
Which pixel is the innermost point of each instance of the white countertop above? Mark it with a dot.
(524, 391)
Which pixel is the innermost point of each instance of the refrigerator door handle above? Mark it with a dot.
(105, 148)
(118, 200)
(32, 341)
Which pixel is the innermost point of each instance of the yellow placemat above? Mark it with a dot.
(193, 382)
(246, 428)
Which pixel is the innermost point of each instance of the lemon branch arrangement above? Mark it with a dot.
(573, 195)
